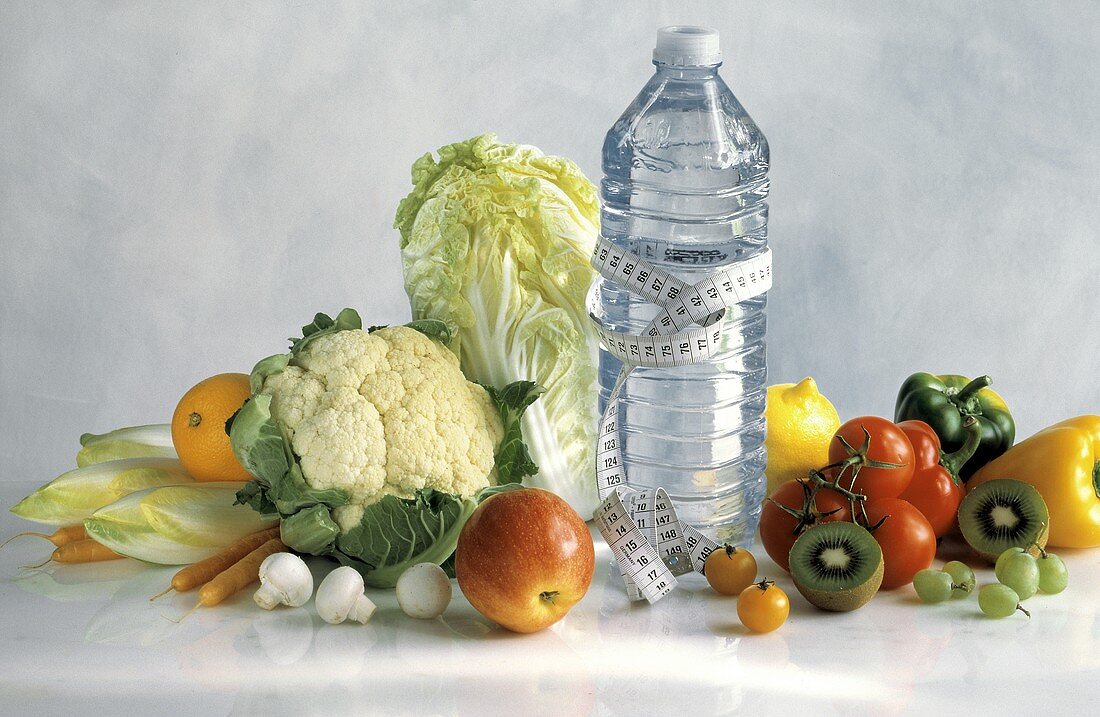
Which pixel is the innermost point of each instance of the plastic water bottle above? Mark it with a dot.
(685, 183)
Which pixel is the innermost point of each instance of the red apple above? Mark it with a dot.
(524, 558)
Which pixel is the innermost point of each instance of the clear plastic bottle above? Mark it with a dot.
(685, 183)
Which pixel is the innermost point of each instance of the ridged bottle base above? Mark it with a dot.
(698, 432)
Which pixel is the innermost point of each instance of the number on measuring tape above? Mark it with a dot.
(650, 544)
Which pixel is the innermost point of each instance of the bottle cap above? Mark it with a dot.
(687, 46)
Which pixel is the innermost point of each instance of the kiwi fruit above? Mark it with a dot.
(1002, 514)
(837, 566)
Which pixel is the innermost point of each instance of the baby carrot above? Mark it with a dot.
(61, 536)
(206, 570)
(82, 551)
(241, 574)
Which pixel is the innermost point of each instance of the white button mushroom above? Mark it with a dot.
(340, 597)
(284, 580)
(424, 591)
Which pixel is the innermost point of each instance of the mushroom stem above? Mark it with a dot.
(268, 597)
(362, 610)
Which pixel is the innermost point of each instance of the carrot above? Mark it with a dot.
(83, 551)
(241, 574)
(206, 570)
(80, 551)
(61, 536)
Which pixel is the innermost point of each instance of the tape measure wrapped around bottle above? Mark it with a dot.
(650, 544)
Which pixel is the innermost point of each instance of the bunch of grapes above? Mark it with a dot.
(1019, 573)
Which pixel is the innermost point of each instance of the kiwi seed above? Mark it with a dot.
(837, 566)
(1002, 514)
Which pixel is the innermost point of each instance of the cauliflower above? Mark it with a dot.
(385, 413)
(371, 444)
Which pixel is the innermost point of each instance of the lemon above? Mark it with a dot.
(801, 423)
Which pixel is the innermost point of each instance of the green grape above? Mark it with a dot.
(1005, 556)
(932, 586)
(1021, 573)
(1053, 576)
(962, 577)
(998, 601)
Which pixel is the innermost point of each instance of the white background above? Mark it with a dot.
(182, 185)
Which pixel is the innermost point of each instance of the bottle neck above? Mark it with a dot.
(684, 72)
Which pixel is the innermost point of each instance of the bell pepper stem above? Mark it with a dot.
(1096, 479)
(972, 388)
(954, 462)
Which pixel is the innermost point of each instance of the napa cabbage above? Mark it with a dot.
(496, 241)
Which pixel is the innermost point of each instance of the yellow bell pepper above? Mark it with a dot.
(1063, 463)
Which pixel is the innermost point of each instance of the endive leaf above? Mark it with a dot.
(122, 527)
(202, 514)
(75, 495)
(188, 523)
(154, 441)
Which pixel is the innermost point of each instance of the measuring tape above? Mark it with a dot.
(650, 544)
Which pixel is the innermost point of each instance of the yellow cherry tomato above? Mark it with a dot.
(730, 570)
(763, 607)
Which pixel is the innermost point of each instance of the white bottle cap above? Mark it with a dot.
(688, 46)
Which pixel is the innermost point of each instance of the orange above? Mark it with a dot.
(198, 427)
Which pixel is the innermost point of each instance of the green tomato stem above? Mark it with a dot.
(822, 482)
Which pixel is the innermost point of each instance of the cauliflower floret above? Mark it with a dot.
(348, 516)
(343, 444)
(385, 413)
(496, 428)
(343, 358)
(295, 395)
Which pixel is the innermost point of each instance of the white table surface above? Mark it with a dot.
(85, 640)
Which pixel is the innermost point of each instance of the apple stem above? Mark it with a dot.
(548, 595)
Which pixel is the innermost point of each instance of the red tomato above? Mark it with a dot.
(933, 491)
(885, 444)
(925, 442)
(907, 540)
(779, 529)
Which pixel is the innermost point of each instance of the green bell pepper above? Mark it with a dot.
(944, 402)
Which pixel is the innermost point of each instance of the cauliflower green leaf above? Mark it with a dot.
(323, 325)
(395, 534)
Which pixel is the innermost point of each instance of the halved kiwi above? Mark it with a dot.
(1002, 514)
(837, 566)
